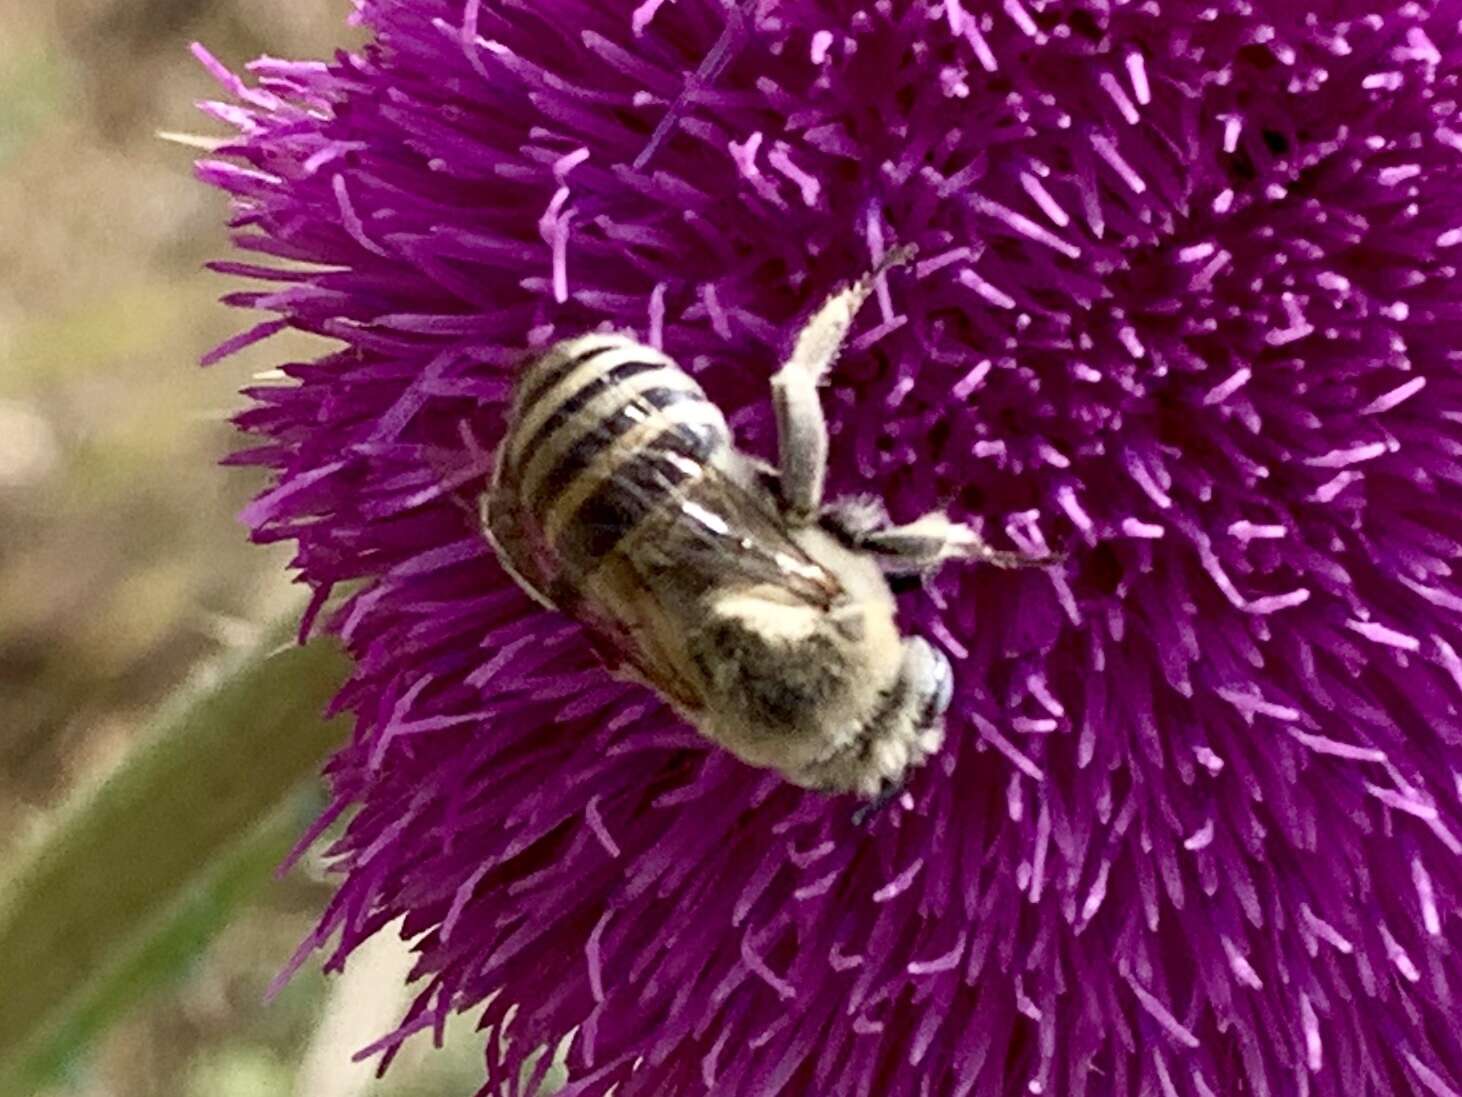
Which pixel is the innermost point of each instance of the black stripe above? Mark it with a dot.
(699, 441)
(638, 487)
(557, 374)
(576, 401)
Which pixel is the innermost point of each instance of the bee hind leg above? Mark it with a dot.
(502, 524)
(802, 444)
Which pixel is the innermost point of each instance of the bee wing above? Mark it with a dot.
(636, 641)
(726, 533)
(717, 527)
(625, 642)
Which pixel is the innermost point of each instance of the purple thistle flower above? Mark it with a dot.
(1186, 307)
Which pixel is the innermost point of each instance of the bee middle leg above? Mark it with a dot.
(801, 427)
(926, 543)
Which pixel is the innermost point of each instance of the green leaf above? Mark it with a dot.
(136, 874)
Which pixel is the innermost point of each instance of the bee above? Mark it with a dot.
(760, 612)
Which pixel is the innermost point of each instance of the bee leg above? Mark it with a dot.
(801, 428)
(886, 795)
(502, 524)
(853, 518)
(929, 542)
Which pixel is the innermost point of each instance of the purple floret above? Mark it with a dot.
(1186, 308)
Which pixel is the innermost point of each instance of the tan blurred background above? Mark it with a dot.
(121, 564)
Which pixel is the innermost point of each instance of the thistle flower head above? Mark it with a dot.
(1186, 308)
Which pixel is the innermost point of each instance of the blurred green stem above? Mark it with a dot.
(166, 845)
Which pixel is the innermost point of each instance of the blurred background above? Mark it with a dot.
(122, 568)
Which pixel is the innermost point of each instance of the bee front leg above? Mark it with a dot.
(929, 542)
(801, 427)
(866, 812)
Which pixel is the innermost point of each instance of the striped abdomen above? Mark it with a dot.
(604, 433)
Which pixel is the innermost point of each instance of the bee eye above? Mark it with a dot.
(930, 679)
(938, 683)
(944, 685)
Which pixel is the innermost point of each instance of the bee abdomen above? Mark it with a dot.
(604, 433)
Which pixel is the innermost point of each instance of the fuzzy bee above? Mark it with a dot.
(761, 613)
